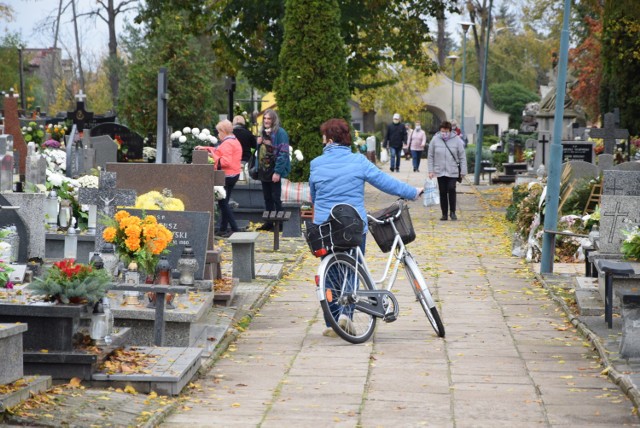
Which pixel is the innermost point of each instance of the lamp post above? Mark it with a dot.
(465, 28)
(453, 59)
(483, 91)
(555, 151)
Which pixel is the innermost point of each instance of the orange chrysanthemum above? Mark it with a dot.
(121, 214)
(109, 234)
(133, 244)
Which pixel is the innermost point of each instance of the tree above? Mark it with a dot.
(312, 86)
(621, 61)
(512, 97)
(192, 99)
(586, 62)
(247, 35)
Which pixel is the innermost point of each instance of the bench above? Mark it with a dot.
(610, 268)
(485, 167)
(243, 255)
(277, 218)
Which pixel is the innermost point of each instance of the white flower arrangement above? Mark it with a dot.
(149, 152)
(195, 135)
(88, 181)
(56, 159)
(297, 153)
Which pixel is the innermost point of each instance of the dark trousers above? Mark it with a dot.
(447, 188)
(395, 153)
(416, 155)
(226, 214)
(272, 193)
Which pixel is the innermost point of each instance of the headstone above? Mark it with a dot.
(163, 130)
(106, 150)
(80, 116)
(617, 213)
(133, 141)
(36, 166)
(11, 344)
(531, 144)
(29, 221)
(577, 150)
(73, 163)
(191, 183)
(6, 163)
(609, 133)
(628, 166)
(605, 162)
(621, 183)
(12, 127)
(106, 197)
(189, 229)
(88, 153)
(580, 170)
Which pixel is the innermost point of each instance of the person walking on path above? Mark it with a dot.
(246, 137)
(405, 148)
(273, 162)
(338, 176)
(448, 162)
(394, 140)
(458, 131)
(226, 157)
(417, 141)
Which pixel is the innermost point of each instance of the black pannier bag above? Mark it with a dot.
(342, 231)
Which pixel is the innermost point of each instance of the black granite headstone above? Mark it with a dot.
(131, 139)
(577, 150)
(189, 228)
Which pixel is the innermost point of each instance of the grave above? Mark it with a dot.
(29, 221)
(12, 127)
(36, 167)
(621, 183)
(605, 162)
(12, 370)
(191, 183)
(106, 150)
(580, 170)
(189, 229)
(609, 133)
(80, 116)
(132, 140)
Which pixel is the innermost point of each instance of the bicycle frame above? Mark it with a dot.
(398, 251)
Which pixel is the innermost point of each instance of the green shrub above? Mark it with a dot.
(470, 153)
(499, 158)
(490, 140)
(577, 201)
(519, 192)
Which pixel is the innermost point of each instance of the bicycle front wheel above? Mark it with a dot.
(338, 286)
(419, 286)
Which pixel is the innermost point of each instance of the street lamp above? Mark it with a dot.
(453, 59)
(465, 28)
(483, 92)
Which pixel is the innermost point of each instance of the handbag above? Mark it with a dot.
(459, 179)
(384, 155)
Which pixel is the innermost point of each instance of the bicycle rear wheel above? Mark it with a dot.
(419, 286)
(338, 284)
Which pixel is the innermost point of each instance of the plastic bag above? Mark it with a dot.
(384, 156)
(431, 196)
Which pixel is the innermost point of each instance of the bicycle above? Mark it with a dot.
(348, 294)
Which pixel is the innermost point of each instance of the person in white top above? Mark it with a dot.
(417, 141)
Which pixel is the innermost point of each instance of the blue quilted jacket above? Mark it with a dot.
(338, 176)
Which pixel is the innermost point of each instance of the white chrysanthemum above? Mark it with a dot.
(176, 135)
(182, 139)
(55, 179)
(186, 130)
(205, 131)
(298, 154)
(88, 181)
(203, 137)
(213, 140)
(29, 129)
(195, 131)
(219, 192)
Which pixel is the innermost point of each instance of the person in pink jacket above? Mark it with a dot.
(417, 141)
(226, 157)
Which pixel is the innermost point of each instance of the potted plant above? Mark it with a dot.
(70, 282)
(139, 240)
(5, 270)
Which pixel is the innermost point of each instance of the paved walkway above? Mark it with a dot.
(510, 356)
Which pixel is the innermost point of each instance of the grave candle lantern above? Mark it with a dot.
(93, 215)
(187, 266)
(163, 271)
(51, 208)
(71, 242)
(64, 216)
(109, 258)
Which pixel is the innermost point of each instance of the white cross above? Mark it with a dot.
(81, 96)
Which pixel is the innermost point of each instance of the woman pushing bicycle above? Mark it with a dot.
(338, 176)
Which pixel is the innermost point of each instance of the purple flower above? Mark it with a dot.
(9, 285)
(52, 144)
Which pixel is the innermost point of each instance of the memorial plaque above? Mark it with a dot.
(577, 150)
(189, 228)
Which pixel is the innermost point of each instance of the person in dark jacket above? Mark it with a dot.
(396, 138)
(246, 137)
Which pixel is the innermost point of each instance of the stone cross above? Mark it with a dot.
(80, 116)
(609, 133)
(106, 197)
(80, 96)
(544, 141)
(162, 131)
(615, 216)
(36, 166)
(12, 126)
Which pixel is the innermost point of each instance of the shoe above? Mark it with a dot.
(328, 332)
(346, 324)
(266, 226)
(225, 234)
(391, 169)
(444, 218)
(453, 216)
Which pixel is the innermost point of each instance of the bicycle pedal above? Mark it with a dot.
(389, 318)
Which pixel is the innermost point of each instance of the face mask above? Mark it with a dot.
(445, 135)
(396, 120)
(417, 127)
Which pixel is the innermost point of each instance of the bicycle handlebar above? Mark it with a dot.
(401, 202)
